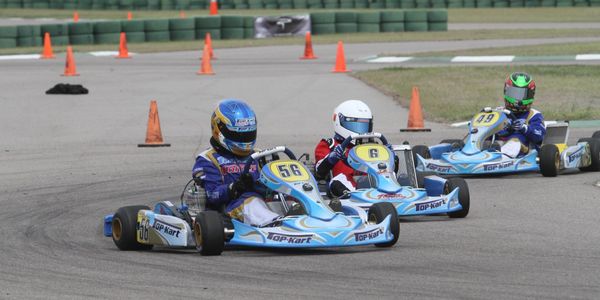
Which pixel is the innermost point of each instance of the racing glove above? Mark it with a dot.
(519, 126)
(335, 155)
(244, 184)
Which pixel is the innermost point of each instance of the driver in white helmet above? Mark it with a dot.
(350, 117)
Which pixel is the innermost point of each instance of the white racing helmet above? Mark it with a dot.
(352, 116)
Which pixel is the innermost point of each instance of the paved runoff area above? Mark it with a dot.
(68, 160)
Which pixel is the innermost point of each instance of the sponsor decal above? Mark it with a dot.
(429, 205)
(290, 239)
(498, 166)
(390, 196)
(368, 235)
(236, 168)
(438, 168)
(167, 228)
(245, 122)
(575, 155)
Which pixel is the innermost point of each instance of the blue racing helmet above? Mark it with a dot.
(233, 125)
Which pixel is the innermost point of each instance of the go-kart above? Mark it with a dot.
(479, 154)
(409, 192)
(190, 225)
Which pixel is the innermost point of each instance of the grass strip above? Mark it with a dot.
(449, 94)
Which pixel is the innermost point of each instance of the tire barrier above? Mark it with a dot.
(219, 27)
(286, 4)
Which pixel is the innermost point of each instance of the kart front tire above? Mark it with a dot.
(549, 160)
(209, 233)
(596, 135)
(421, 150)
(378, 212)
(594, 144)
(124, 228)
(463, 196)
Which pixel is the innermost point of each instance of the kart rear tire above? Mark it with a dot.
(378, 212)
(463, 196)
(594, 153)
(421, 178)
(596, 135)
(209, 233)
(549, 160)
(124, 228)
(456, 143)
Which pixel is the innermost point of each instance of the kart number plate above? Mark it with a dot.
(289, 171)
(485, 119)
(370, 152)
(143, 229)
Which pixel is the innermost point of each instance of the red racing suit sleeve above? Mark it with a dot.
(323, 167)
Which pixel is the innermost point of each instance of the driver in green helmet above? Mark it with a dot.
(526, 129)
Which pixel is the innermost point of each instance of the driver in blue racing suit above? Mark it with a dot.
(219, 169)
(527, 129)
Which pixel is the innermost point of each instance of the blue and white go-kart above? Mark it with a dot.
(410, 193)
(478, 154)
(189, 225)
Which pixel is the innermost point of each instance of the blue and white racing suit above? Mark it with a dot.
(517, 143)
(217, 168)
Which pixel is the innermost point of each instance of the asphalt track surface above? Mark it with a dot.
(66, 161)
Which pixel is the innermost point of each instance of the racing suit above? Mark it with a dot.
(342, 179)
(217, 168)
(515, 143)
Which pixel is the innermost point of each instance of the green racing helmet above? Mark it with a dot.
(519, 90)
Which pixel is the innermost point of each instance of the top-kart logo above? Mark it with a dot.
(575, 155)
(289, 238)
(429, 205)
(438, 168)
(368, 235)
(498, 166)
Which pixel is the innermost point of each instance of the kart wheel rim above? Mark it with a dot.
(557, 161)
(117, 229)
(198, 236)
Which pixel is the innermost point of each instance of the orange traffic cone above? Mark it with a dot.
(70, 69)
(340, 61)
(182, 14)
(415, 114)
(123, 52)
(75, 17)
(153, 133)
(208, 43)
(308, 50)
(213, 9)
(205, 68)
(129, 15)
(47, 52)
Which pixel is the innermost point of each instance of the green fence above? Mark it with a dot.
(220, 27)
(286, 4)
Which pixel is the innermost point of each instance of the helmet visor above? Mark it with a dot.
(238, 136)
(518, 95)
(358, 125)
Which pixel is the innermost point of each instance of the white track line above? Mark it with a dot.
(20, 56)
(392, 59)
(107, 53)
(499, 58)
(587, 57)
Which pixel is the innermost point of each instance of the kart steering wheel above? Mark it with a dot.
(266, 152)
(364, 136)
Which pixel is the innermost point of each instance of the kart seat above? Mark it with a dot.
(556, 133)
